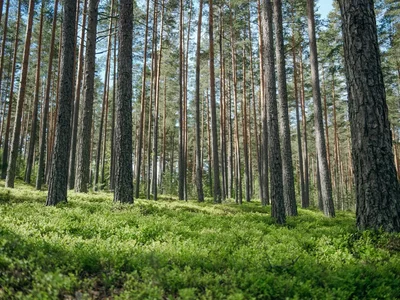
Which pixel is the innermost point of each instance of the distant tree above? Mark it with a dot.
(58, 180)
(325, 178)
(199, 164)
(12, 161)
(377, 187)
(32, 136)
(44, 136)
(86, 114)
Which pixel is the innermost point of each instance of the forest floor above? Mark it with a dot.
(168, 249)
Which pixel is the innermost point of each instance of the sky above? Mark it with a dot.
(325, 6)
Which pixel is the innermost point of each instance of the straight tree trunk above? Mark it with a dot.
(304, 200)
(104, 104)
(244, 130)
(32, 138)
(10, 101)
(199, 164)
(264, 182)
(213, 108)
(86, 114)
(181, 163)
(123, 133)
(274, 149)
(45, 107)
(112, 155)
(152, 98)
(377, 187)
(72, 158)
(238, 175)
(157, 101)
(305, 166)
(142, 107)
(283, 111)
(3, 48)
(58, 183)
(326, 185)
(12, 163)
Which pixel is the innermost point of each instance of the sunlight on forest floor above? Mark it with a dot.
(170, 249)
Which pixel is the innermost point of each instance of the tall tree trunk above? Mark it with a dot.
(264, 182)
(157, 101)
(105, 102)
(123, 134)
(244, 130)
(3, 48)
(304, 200)
(12, 164)
(274, 149)
(377, 187)
(283, 111)
(86, 113)
(10, 101)
(213, 108)
(32, 138)
(326, 185)
(139, 149)
(181, 163)
(222, 107)
(72, 157)
(112, 151)
(58, 183)
(45, 108)
(256, 136)
(152, 98)
(238, 176)
(199, 164)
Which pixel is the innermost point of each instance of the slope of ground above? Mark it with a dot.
(92, 248)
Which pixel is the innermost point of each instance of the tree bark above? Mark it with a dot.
(45, 108)
(12, 164)
(10, 101)
(199, 164)
(86, 114)
(32, 136)
(58, 183)
(213, 108)
(326, 185)
(72, 158)
(377, 187)
(283, 111)
(274, 149)
(123, 133)
(139, 150)
(104, 104)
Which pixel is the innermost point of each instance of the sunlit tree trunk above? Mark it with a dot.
(82, 176)
(12, 163)
(72, 158)
(11, 96)
(32, 136)
(326, 185)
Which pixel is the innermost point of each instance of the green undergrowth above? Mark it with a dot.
(91, 248)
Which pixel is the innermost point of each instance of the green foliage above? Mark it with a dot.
(169, 249)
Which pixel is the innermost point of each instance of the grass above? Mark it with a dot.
(93, 248)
